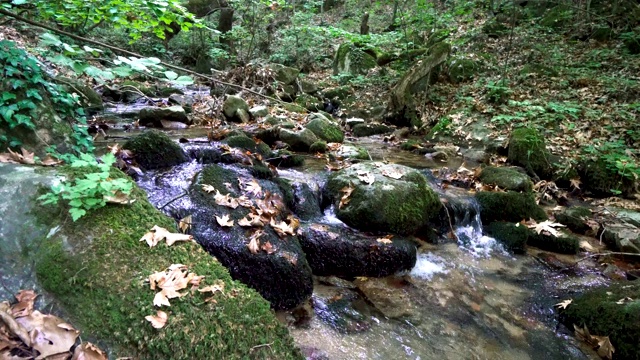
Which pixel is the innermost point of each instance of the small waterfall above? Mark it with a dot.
(464, 212)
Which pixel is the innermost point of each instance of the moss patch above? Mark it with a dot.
(599, 310)
(154, 149)
(318, 147)
(97, 269)
(575, 218)
(506, 178)
(565, 244)
(326, 130)
(361, 130)
(508, 206)
(601, 180)
(513, 237)
(527, 149)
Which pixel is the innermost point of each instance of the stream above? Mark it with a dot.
(466, 297)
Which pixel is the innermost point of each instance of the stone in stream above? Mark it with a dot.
(324, 128)
(282, 277)
(339, 251)
(302, 200)
(513, 236)
(298, 140)
(506, 178)
(153, 149)
(527, 149)
(153, 115)
(236, 109)
(385, 198)
(388, 296)
(508, 206)
(361, 130)
(575, 218)
(622, 237)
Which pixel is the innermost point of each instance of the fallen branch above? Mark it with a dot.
(261, 346)
(123, 51)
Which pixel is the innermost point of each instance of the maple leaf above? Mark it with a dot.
(224, 220)
(575, 183)
(385, 239)
(118, 197)
(244, 201)
(252, 187)
(51, 335)
(282, 228)
(208, 188)
(344, 200)
(563, 304)
(605, 348)
(252, 219)
(24, 306)
(546, 226)
(50, 161)
(217, 287)
(158, 320)
(225, 200)
(158, 234)
(88, 351)
(185, 224)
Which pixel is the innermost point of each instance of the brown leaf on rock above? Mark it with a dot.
(157, 234)
(177, 277)
(547, 227)
(208, 188)
(54, 337)
(225, 200)
(118, 197)
(392, 173)
(344, 200)
(385, 239)
(282, 228)
(268, 248)
(292, 258)
(224, 220)
(159, 320)
(88, 351)
(366, 177)
(217, 287)
(14, 327)
(254, 241)
(252, 219)
(24, 306)
(252, 187)
(575, 183)
(563, 304)
(185, 223)
(50, 161)
(604, 347)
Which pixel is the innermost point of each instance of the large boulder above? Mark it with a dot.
(611, 311)
(298, 140)
(506, 178)
(309, 102)
(361, 130)
(154, 115)
(154, 149)
(285, 74)
(385, 198)
(325, 129)
(352, 59)
(282, 274)
(508, 206)
(339, 251)
(527, 149)
(236, 109)
(603, 179)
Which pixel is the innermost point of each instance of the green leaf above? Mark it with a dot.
(170, 75)
(8, 96)
(183, 80)
(50, 39)
(77, 213)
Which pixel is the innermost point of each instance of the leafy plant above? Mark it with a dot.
(498, 91)
(93, 190)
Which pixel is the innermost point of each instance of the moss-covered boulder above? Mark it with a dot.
(338, 251)
(96, 269)
(612, 311)
(154, 149)
(308, 87)
(309, 102)
(285, 74)
(281, 276)
(603, 179)
(338, 92)
(575, 218)
(155, 115)
(259, 111)
(325, 129)
(298, 140)
(236, 109)
(513, 236)
(461, 69)
(564, 243)
(527, 149)
(379, 201)
(508, 206)
(361, 130)
(286, 159)
(352, 59)
(506, 178)
(246, 143)
(318, 147)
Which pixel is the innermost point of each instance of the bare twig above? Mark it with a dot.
(261, 346)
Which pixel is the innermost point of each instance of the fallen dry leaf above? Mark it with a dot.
(185, 223)
(268, 248)
(546, 227)
(366, 177)
(157, 234)
(604, 347)
(254, 242)
(54, 337)
(159, 320)
(282, 228)
(225, 200)
(208, 188)
(563, 304)
(118, 197)
(175, 278)
(252, 219)
(24, 306)
(88, 351)
(392, 173)
(575, 183)
(224, 220)
(252, 187)
(385, 239)
(344, 200)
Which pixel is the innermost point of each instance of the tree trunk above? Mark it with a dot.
(225, 25)
(364, 24)
(401, 109)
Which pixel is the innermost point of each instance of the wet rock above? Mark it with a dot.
(182, 100)
(513, 236)
(153, 116)
(614, 273)
(387, 295)
(246, 143)
(401, 205)
(310, 353)
(351, 122)
(325, 129)
(282, 277)
(318, 147)
(611, 311)
(352, 152)
(346, 312)
(527, 149)
(306, 202)
(565, 243)
(506, 178)
(361, 130)
(236, 109)
(628, 216)
(476, 156)
(154, 149)
(298, 140)
(351, 59)
(89, 98)
(286, 159)
(575, 218)
(284, 74)
(259, 111)
(508, 206)
(600, 179)
(338, 251)
(621, 237)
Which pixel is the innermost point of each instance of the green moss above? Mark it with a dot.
(602, 180)
(217, 176)
(600, 311)
(309, 102)
(287, 189)
(462, 69)
(97, 268)
(410, 145)
(264, 149)
(362, 154)
(514, 237)
(318, 147)
(564, 244)
(352, 59)
(241, 141)
(326, 130)
(260, 170)
(506, 178)
(575, 218)
(361, 130)
(154, 149)
(508, 206)
(527, 149)
(286, 159)
(294, 108)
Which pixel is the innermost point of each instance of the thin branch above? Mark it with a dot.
(261, 346)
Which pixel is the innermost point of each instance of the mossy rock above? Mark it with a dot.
(298, 140)
(246, 143)
(325, 129)
(574, 218)
(295, 108)
(361, 130)
(318, 147)
(352, 59)
(527, 148)
(601, 312)
(566, 243)
(309, 102)
(402, 205)
(154, 149)
(410, 145)
(285, 74)
(338, 92)
(461, 69)
(508, 206)
(96, 268)
(513, 236)
(601, 180)
(506, 178)
(286, 159)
